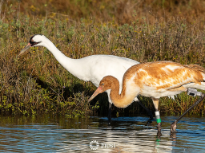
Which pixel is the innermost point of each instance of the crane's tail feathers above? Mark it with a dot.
(195, 85)
(195, 67)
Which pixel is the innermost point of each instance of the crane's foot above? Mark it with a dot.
(173, 127)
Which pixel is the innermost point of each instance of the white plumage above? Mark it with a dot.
(91, 68)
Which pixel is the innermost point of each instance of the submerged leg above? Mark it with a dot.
(157, 115)
(109, 113)
(192, 92)
(110, 106)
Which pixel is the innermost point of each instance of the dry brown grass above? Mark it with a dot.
(121, 11)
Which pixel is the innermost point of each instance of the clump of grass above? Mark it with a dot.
(37, 83)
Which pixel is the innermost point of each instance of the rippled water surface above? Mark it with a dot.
(47, 133)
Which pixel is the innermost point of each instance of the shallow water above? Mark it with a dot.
(47, 133)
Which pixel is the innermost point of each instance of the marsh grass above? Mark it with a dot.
(37, 83)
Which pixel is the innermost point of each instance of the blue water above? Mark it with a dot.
(126, 134)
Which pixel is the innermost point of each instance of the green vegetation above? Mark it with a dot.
(37, 83)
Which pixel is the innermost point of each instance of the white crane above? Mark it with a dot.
(91, 68)
(155, 80)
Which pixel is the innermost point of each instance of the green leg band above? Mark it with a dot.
(158, 120)
(157, 114)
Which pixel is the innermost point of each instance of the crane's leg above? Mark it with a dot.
(148, 112)
(109, 113)
(110, 106)
(157, 115)
(192, 92)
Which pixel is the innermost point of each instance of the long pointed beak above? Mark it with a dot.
(97, 91)
(24, 49)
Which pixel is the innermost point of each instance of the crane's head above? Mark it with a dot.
(105, 84)
(35, 40)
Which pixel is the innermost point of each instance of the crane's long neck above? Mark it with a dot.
(74, 66)
(121, 100)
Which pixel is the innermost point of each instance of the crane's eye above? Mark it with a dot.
(33, 42)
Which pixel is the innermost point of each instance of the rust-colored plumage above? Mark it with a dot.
(164, 74)
(153, 79)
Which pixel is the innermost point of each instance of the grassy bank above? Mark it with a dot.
(37, 83)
